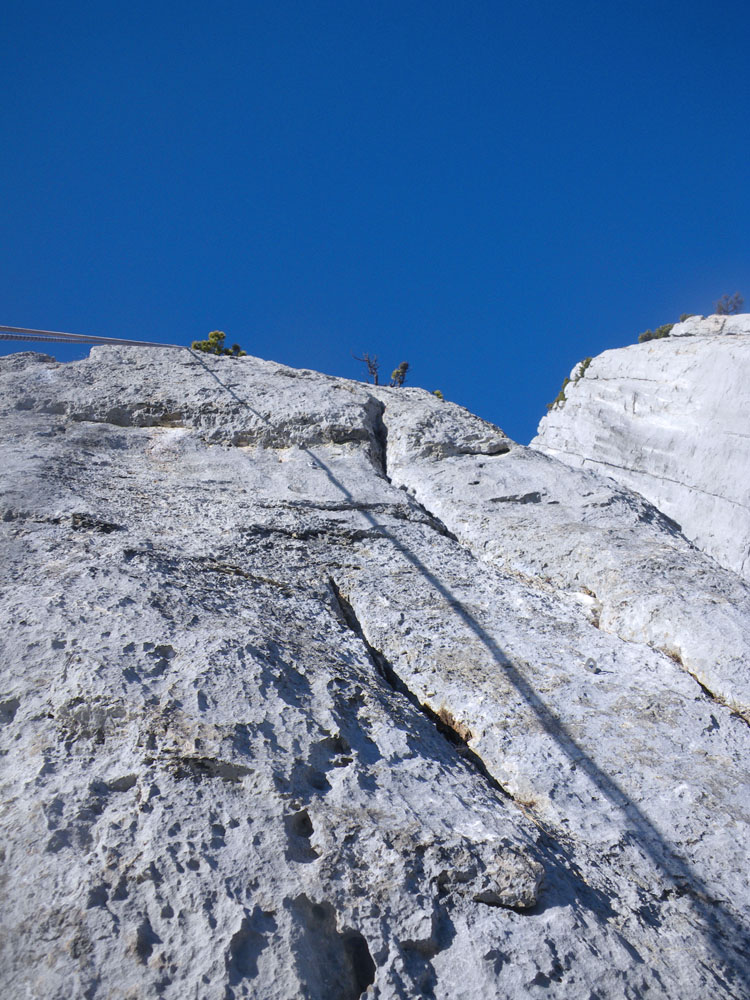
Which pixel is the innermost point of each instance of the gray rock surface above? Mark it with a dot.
(313, 689)
(669, 418)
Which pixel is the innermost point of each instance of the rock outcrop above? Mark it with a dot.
(316, 689)
(669, 418)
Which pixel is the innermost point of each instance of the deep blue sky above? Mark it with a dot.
(490, 191)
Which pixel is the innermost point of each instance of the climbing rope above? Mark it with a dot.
(54, 336)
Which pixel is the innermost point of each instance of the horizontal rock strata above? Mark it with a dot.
(669, 418)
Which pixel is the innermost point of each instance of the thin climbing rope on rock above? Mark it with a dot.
(54, 336)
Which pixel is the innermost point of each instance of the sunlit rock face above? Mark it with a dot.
(316, 689)
(669, 418)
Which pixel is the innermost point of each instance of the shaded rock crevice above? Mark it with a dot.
(455, 733)
(735, 710)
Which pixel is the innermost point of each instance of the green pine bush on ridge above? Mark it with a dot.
(657, 334)
(398, 375)
(727, 305)
(215, 345)
(580, 371)
(560, 398)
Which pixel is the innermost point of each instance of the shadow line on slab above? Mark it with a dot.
(724, 934)
(564, 882)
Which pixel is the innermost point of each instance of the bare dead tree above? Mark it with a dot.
(728, 305)
(371, 360)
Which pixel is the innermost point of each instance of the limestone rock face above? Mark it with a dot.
(316, 689)
(669, 418)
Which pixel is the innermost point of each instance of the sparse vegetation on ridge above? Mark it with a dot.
(398, 375)
(657, 334)
(373, 366)
(560, 398)
(729, 305)
(215, 345)
(578, 373)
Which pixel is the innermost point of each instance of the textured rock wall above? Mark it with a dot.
(669, 418)
(316, 689)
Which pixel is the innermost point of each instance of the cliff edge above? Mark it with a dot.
(669, 418)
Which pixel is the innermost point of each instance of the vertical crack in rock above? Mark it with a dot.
(646, 513)
(454, 732)
(239, 850)
(379, 433)
(380, 437)
(706, 691)
(434, 521)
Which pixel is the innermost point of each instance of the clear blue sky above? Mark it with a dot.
(490, 191)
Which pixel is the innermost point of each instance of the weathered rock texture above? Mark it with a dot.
(313, 689)
(669, 418)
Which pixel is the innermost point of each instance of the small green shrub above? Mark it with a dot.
(657, 334)
(398, 375)
(685, 316)
(560, 398)
(215, 345)
(438, 393)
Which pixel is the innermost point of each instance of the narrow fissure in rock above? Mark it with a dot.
(380, 433)
(434, 520)
(715, 698)
(453, 732)
(379, 437)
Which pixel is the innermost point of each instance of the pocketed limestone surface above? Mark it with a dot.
(317, 689)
